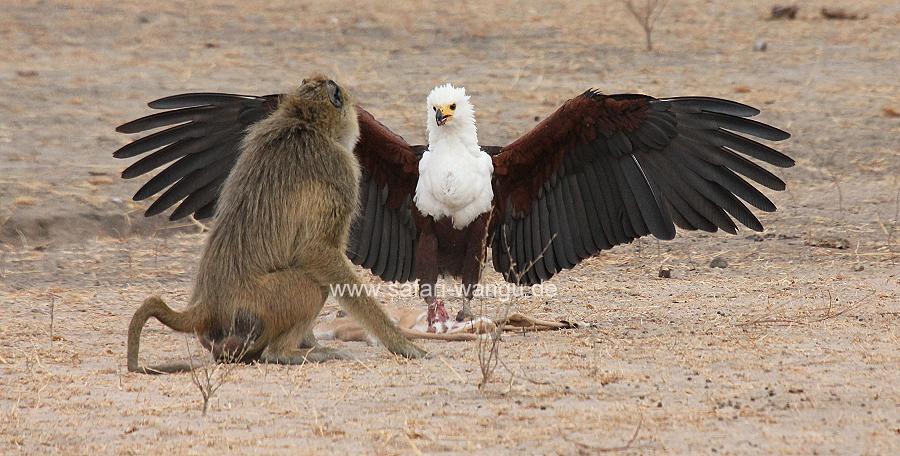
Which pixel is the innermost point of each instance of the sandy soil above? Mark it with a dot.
(793, 348)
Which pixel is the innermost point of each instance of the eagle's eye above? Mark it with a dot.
(435, 108)
(453, 107)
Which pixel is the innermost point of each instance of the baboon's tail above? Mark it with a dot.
(153, 306)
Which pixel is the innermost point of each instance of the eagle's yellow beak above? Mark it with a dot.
(442, 114)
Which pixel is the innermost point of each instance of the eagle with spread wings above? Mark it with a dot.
(601, 171)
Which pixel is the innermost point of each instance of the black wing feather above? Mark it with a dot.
(201, 198)
(199, 143)
(202, 139)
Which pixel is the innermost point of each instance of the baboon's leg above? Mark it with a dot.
(309, 339)
(295, 296)
(305, 356)
(330, 266)
(284, 350)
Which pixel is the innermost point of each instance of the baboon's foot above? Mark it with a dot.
(304, 356)
(437, 316)
(321, 354)
(408, 350)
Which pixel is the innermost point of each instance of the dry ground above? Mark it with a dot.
(793, 348)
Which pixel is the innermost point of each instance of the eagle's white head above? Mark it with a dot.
(450, 113)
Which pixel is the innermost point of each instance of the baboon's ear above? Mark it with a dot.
(334, 94)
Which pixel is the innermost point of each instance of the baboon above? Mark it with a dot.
(278, 243)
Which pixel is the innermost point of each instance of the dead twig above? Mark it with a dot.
(889, 228)
(597, 449)
(202, 226)
(452, 369)
(488, 348)
(646, 13)
(828, 315)
(522, 375)
(53, 299)
(210, 379)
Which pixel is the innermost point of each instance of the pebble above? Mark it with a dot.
(718, 262)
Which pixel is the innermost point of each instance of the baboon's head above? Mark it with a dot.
(327, 106)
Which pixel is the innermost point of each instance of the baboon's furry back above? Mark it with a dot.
(287, 188)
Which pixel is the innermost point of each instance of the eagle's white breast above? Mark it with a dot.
(454, 181)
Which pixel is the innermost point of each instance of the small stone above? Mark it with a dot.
(665, 272)
(718, 262)
(829, 242)
(841, 14)
(788, 12)
(858, 267)
(760, 46)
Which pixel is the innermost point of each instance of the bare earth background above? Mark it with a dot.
(793, 348)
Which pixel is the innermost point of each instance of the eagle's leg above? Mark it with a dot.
(466, 313)
(472, 264)
(426, 265)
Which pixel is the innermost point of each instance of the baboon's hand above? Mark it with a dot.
(408, 350)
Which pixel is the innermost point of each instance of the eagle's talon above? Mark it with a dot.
(464, 315)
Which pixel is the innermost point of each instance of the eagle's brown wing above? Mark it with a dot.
(606, 169)
(383, 234)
